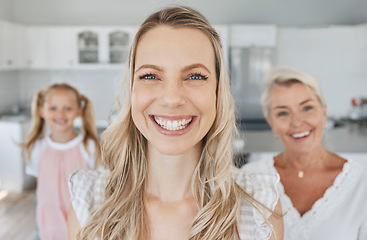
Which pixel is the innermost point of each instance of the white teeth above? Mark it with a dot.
(173, 125)
(302, 134)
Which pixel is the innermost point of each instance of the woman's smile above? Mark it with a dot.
(172, 123)
(174, 89)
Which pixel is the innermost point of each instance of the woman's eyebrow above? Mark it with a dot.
(306, 101)
(195, 65)
(280, 107)
(150, 66)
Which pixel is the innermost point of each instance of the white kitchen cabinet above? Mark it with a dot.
(12, 45)
(36, 47)
(103, 47)
(51, 47)
(253, 35)
(61, 47)
(12, 168)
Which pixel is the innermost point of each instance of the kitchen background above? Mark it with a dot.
(325, 38)
(83, 42)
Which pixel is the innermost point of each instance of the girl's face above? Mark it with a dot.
(60, 109)
(174, 89)
(297, 117)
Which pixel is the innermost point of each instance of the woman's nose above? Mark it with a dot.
(296, 119)
(172, 94)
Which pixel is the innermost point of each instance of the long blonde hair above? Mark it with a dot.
(89, 129)
(122, 215)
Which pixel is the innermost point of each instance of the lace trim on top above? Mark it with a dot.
(324, 206)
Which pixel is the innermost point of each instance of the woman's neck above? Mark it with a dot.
(63, 137)
(303, 161)
(169, 177)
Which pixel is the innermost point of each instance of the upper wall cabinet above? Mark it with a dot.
(12, 45)
(104, 47)
(61, 47)
(253, 35)
(36, 53)
(51, 47)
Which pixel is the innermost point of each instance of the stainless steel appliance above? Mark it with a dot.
(248, 68)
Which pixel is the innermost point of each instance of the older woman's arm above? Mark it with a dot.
(277, 221)
(73, 224)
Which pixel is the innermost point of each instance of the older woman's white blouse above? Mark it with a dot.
(341, 214)
(87, 189)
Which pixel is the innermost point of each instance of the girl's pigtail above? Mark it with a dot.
(38, 123)
(89, 129)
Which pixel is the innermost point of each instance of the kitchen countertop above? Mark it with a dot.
(350, 138)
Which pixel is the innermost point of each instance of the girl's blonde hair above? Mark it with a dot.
(122, 215)
(286, 76)
(89, 129)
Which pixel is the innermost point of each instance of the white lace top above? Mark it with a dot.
(341, 214)
(87, 188)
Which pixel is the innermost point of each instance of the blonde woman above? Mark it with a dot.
(324, 195)
(53, 157)
(169, 151)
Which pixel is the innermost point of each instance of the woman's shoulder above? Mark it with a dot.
(262, 186)
(87, 191)
(257, 182)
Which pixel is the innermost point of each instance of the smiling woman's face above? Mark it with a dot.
(174, 89)
(297, 117)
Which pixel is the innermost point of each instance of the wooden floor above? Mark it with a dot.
(17, 220)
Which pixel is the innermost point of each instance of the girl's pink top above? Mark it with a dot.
(54, 168)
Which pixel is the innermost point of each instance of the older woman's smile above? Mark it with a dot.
(301, 134)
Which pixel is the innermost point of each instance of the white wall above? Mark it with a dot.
(335, 56)
(9, 90)
(6, 10)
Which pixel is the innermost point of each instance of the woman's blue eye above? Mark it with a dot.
(282, 114)
(148, 77)
(52, 108)
(307, 108)
(198, 77)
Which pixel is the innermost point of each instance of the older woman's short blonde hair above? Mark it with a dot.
(285, 76)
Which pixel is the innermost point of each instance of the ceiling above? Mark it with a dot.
(116, 12)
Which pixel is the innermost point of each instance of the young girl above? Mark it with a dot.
(54, 157)
(169, 151)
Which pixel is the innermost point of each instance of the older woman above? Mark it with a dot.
(323, 195)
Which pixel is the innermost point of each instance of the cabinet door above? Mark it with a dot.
(61, 47)
(36, 47)
(3, 41)
(118, 43)
(88, 46)
(9, 40)
(20, 52)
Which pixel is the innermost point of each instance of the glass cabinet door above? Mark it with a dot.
(88, 47)
(118, 46)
